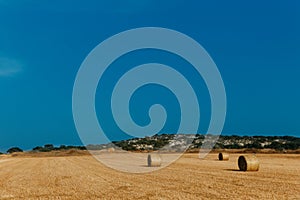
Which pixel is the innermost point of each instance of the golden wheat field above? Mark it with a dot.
(83, 177)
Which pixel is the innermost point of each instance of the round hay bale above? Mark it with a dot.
(111, 150)
(154, 160)
(223, 156)
(248, 163)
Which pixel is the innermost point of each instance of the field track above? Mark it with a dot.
(82, 177)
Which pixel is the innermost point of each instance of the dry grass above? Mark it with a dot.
(62, 153)
(82, 177)
(261, 151)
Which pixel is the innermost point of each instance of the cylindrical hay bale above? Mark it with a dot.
(111, 150)
(154, 160)
(248, 163)
(223, 156)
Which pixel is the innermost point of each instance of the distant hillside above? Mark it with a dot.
(180, 142)
(279, 143)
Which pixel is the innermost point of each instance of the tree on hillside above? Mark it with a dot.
(62, 147)
(48, 147)
(38, 148)
(14, 149)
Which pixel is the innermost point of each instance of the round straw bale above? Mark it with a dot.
(111, 150)
(223, 156)
(248, 163)
(154, 160)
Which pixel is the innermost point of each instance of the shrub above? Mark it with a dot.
(38, 148)
(14, 149)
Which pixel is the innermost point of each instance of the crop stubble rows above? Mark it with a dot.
(82, 177)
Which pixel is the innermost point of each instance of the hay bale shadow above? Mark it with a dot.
(233, 170)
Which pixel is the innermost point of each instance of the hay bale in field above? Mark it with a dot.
(111, 150)
(154, 160)
(248, 163)
(223, 156)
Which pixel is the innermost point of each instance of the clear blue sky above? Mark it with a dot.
(256, 46)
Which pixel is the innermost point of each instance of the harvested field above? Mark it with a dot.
(82, 177)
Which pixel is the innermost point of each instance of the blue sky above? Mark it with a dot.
(255, 45)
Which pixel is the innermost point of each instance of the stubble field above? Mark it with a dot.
(83, 177)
